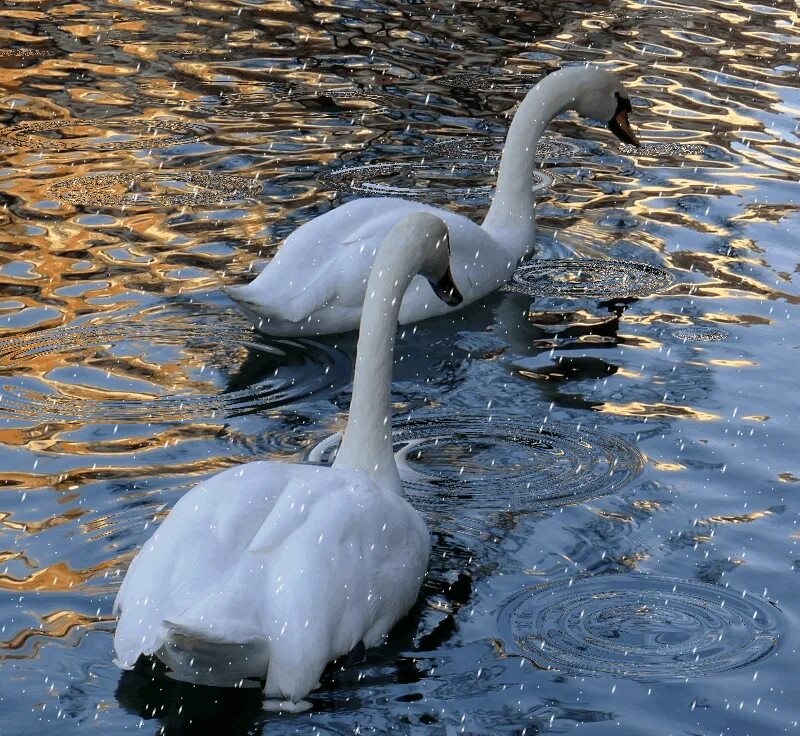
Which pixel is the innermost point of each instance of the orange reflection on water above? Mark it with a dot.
(60, 577)
(640, 409)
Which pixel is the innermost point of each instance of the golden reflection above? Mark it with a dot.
(632, 560)
(7, 556)
(34, 527)
(640, 409)
(60, 577)
(732, 363)
(648, 505)
(56, 625)
(667, 467)
(736, 518)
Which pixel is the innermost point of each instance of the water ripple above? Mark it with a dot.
(126, 371)
(641, 627)
(25, 135)
(701, 333)
(597, 278)
(361, 179)
(482, 148)
(506, 462)
(205, 188)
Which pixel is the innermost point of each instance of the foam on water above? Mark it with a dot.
(482, 148)
(362, 179)
(490, 82)
(205, 188)
(701, 333)
(26, 135)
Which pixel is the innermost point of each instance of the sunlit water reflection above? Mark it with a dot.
(152, 152)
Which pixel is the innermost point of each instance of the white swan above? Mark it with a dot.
(271, 570)
(315, 283)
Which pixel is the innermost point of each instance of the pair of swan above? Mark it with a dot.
(315, 284)
(269, 571)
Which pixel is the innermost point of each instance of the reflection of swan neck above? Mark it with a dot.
(510, 216)
(367, 441)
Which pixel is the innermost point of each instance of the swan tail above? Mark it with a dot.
(295, 309)
(197, 655)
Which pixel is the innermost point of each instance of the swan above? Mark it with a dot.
(271, 570)
(315, 283)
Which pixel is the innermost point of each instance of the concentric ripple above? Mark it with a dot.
(499, 462)
(26, 135)
(595, 278)
(638, 626)
(159, 371)
(115, 189)
(432, 178)
(480, 147)
(491, 82)
(701, 333)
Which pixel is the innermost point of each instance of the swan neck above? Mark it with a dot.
(367, 441)
(511, 215)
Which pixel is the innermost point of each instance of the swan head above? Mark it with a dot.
(436, 264)
(599, 95)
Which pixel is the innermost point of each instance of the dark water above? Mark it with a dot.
(615, 551)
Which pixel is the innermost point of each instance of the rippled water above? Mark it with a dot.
(628, 566)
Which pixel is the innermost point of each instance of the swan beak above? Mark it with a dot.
(445, 288)
(621, 128)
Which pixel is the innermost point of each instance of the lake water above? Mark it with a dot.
(608, 452)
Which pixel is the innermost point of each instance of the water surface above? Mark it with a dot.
(647, 583)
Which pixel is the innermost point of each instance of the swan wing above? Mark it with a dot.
(198, 544)
(329, 258)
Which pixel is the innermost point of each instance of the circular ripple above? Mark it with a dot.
(638, 626)
(494, 462)
(700, 333)
(491, 82)
(589, 278)
(482, 148)
(361, 179)
(25, 134)
(159, 371)
(204, 188)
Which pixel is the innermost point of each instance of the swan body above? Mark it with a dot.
(316, 287)
(271, 570)
(315, 284)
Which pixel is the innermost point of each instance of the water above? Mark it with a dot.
(627, 566)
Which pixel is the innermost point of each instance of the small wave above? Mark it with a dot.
(593, 278)
(638, 626)
(127, 371)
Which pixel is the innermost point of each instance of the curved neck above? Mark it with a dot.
(511, 217)
(367, 441)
